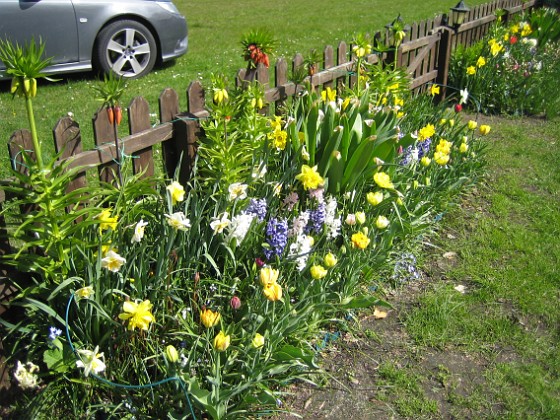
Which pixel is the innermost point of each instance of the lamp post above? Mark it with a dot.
(458, 14)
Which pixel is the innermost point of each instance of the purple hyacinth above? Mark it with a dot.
(424, 148)
(316, 219)
(257, 208)
(276, 237)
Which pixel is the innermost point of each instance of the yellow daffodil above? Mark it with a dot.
(139, 315)
(209, 318)
(444, 146)
(441, 158)
(471, 70)
(176, 192)
(383, 180)
(328, 95)
(221, 341)
(360, 240)
(268, 275)
(426, 132)
(360, 217)
(310, 178)
(526, 31)
(480, 62)
(434, 90)
(106, 221)
(374, 198)
(276, 123)
(273, 292)
(258, 341)
(425, 161)
(318, 272)
(495, 47)
(279, 139)
(484, 129)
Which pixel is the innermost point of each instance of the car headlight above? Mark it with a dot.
(168, 6)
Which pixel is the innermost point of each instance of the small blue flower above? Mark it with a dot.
(54, 333)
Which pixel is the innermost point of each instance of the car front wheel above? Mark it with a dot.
(126, 48)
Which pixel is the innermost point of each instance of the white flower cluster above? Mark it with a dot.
(332, 222)
(26, 376)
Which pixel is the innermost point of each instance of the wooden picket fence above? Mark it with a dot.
(425, 52)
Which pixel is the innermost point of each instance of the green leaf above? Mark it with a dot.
(363, 301)
(290, 353)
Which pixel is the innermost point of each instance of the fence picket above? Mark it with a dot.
(68, 142)
(139, 120)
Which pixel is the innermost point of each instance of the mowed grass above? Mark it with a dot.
(505, 326)
(215, 30)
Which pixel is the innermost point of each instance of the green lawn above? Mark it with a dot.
(215, 30)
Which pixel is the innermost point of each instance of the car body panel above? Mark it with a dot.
(70, 27)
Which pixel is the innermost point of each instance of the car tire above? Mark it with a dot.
(126, 48)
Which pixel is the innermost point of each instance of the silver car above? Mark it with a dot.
(127, 37)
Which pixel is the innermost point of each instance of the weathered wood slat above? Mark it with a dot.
(422, 80)
(105, 153)
(104, 135)
(138, 121)
(68, 140)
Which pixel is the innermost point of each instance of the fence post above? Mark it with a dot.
(443, 60)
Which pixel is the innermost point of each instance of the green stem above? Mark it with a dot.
(33, 127)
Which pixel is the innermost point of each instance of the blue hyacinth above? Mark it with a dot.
(257, 207)
(276, 237)
(316, 219)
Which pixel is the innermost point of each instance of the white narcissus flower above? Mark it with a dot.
(237, 191)
(139, 231)
(112, 261)
(464, 96)
(91, 361)
(219, 224)
(240, 227)
(178, 221)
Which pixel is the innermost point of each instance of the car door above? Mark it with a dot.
(53, 21)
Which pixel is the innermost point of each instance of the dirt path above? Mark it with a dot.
(365, 366)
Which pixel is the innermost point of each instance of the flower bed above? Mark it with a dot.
(154, 299)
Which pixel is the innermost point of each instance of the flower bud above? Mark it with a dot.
(171, 354)
(330, 260)
(235, 303)
(258, 341)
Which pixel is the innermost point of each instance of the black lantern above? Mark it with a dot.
(459, 13)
